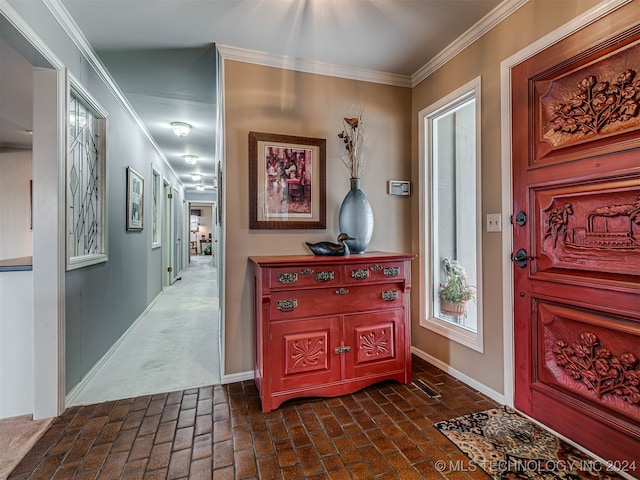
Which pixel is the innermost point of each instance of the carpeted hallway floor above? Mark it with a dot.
(174, 346)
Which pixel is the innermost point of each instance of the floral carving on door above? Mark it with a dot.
(597, 105)
(592, 102)
(590, 362)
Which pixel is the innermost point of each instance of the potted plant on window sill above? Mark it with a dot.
(455, 292)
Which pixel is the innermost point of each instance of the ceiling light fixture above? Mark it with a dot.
(181, 129)
(190, 159)
(196, 177)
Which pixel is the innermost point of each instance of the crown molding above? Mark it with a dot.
(604, 8)
(309, 66)
(65, 20)
(489, 21)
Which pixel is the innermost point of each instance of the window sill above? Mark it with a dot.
(452, 332)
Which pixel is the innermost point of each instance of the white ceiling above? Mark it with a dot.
(160, 51)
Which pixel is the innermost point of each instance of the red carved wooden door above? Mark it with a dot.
(576, 230)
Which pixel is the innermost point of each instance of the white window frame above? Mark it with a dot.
(473, 340)
(75, 88)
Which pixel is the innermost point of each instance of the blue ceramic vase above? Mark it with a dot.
(356, 218)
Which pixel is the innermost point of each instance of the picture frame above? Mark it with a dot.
(135, 200)
(287, 182)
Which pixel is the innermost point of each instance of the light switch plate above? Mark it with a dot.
(494, 222)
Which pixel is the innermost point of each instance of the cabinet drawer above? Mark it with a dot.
(375, 272)
(293, 277)
(331, 301)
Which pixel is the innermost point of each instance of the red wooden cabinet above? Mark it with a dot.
(327, 326)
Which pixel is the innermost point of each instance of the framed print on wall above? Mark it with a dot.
(287, 182)
(135, 200)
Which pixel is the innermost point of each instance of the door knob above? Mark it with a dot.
(520, 258)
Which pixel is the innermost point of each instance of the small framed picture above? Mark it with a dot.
(287, 182)
(135, 200)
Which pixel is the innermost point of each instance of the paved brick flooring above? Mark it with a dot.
(219, 432)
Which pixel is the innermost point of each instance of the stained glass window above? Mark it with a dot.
(85, 184)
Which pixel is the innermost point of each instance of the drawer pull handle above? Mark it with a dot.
(287, 305)
(390, 295)
(287, 278)
(324, 276)
(391, 272)
(360, 274)
(376, 267)
(342, 291)
(306, 271)
(340, 350)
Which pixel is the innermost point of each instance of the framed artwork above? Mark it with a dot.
(135, 200)
(287, 182)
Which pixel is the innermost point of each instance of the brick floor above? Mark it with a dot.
(219, 432)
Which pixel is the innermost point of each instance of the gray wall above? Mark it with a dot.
(103, 301)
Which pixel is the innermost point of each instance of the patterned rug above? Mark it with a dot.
(508, 446)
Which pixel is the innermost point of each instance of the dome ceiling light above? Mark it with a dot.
(181, 129)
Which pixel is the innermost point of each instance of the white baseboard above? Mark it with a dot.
(492, 394)
(71, 397)
(237, 377)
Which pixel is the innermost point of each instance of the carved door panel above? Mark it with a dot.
(303, 353)
(576, 180)
(376, 343)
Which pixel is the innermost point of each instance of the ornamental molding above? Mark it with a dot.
(591, 363)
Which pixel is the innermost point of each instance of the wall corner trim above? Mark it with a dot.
(237, 377)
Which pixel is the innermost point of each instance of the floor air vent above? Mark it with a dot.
(422, 385)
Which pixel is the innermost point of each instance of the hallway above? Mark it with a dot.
(173, 346)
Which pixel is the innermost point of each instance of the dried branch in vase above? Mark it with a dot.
(353, 138)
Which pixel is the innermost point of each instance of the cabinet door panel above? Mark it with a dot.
(303, 353)
(376, 341)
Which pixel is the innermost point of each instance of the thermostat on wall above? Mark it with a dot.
(399, 187)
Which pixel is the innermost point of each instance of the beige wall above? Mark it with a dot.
(281, 101)
(15, 204)
(272, 100)
(530, 23)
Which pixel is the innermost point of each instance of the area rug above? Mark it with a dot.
(508, 446)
